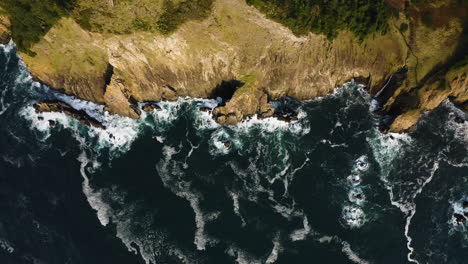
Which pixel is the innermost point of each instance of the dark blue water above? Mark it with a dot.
(329, 188)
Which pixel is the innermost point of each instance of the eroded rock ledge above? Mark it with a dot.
(237, 42)
(61, 107)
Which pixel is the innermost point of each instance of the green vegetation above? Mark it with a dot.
(32, 19)
(128, 16)
(404, 27)
(328, 17)
(176, 14)
(427, 19)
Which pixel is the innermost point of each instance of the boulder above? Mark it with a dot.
(151, 107)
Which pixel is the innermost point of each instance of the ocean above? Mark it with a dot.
(176, 187)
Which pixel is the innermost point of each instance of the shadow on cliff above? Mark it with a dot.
(225, 89)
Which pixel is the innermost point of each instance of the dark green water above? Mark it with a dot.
(328, 188)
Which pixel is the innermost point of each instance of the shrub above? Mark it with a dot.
(328, 17)
(427, 19)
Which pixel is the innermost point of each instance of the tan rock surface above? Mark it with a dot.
(5, 34)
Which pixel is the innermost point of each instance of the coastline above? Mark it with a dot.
(265, 61)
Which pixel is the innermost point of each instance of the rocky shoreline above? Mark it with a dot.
(241, 54)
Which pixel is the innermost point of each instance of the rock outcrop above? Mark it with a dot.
(237, 42)
(61, 107)
(5, 34)
(249, 100)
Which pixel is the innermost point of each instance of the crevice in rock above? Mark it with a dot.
(108, 76)
(167, 86)
(366, 81)
(394, 82)
(134, 105)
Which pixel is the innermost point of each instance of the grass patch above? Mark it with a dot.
(176, 14)
(32, 19)
(328, 17)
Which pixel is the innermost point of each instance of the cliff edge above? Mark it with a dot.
(411, 65)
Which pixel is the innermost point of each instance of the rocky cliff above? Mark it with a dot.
(411, 68)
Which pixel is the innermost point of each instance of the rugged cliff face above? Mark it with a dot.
(236, 42)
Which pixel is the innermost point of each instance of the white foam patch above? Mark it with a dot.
(353, 216)
(325, 239)
(119, 134)
(242, 257)
(301, 234)
(273, 257)
(40, 121)
(460, 223)
(6, 246)
(204, 119)
(221, 142)
(236, 206)
(351, 254)
(94, 198)
(168, 113)
(333, 145)
(361, 164)
(272, 124)
(356, 196)
(354, 179)
(8, 47)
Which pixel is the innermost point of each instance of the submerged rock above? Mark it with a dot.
(459, 218)
(287, 117)
(151, 107)
(61, 107)
(204, 109)
(52, 123)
